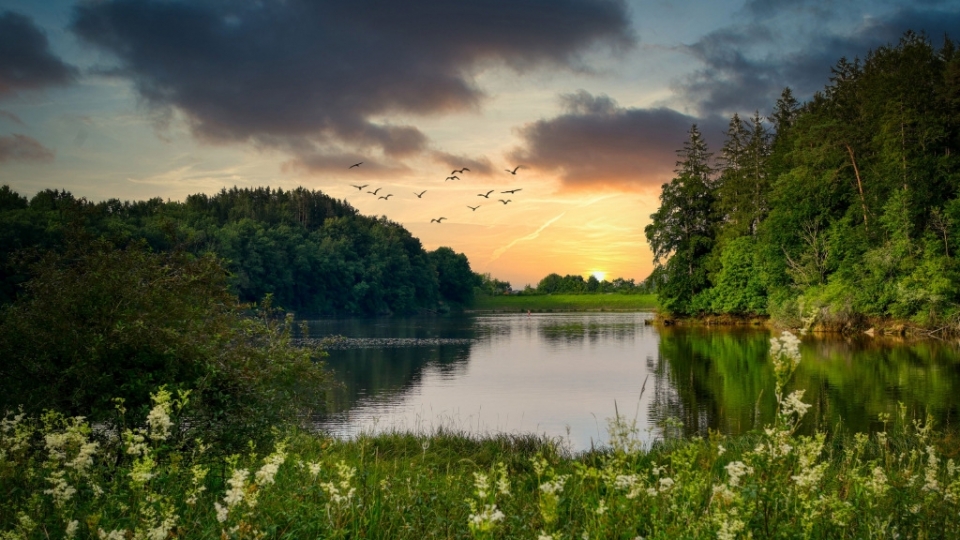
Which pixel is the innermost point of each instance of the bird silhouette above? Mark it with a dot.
(463, 169)
(474, 208)
(512, 191)
(438, 220)
(355, 165)
(374, 192)
(459, 171)
(504, 201)
(360, 187)
(386, 197)
(452, 178)
(419, 195)
(514, 171)
(485, 195)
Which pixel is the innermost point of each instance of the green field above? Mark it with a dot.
(567, 302)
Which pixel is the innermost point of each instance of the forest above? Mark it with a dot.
(834, 213)
(314, 255)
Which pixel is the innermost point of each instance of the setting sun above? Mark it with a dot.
(599, 274)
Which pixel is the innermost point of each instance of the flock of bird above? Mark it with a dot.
(453, 176)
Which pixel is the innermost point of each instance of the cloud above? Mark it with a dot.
(10, 117)
(597, 142)
(276, 72)
(479, 166)
(746, 66)
(18, 147)
(26, 62)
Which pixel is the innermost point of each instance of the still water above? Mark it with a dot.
(564, 375)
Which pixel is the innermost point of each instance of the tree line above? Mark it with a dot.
(832, 211)
(313, 254)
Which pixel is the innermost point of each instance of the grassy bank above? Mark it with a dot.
(62, 479)
(567, 302)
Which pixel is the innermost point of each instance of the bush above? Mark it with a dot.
(97, 322)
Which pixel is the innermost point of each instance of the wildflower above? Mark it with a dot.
(61, 490)
(271, 465)
(877, 482)
(159, 418)
(238, 485)
(736, 470)
(314, 468)
(930, 475)
(729, 529)
(485, 520)
(601, 507)
(199, 474)
(142, 470)
(222, 512)
(792, 404)
(544, 536)
(720, 450)
(72, 529)
(118, 534)
(554, 487)
(665, 484)
(723, 493)
(341, 492)
(503, 482)
(480, 482)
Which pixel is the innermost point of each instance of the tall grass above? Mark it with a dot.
(64, 478)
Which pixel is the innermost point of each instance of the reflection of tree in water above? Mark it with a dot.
(721, 379)
(588, 330)
(386, 374)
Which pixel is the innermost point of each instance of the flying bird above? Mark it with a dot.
(504, 201)
(485, 195)
(474, 208)
(452, 178)
(459, 171)
(512, 191)
(360, 187)
(438, 220)
(355, 165)
(386, 197)
(514, 171)
(419, 195)
(374, 192)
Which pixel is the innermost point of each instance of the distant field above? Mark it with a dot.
(568, 302)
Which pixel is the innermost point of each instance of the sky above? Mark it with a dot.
(133, 99)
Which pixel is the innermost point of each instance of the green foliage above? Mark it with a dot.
(456, 280)
(851, 205)
(314, 254)
(491, 286)
(96, 323)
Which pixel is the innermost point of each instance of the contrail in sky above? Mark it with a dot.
(531, 236)
(536, 233)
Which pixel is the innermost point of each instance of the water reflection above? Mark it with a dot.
(564, 374)
(722, 381)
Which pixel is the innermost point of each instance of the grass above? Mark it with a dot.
(63, 479)
(566, 302)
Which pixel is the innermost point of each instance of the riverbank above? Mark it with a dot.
(565, 302)
(902, 482)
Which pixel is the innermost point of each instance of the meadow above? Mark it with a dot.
(64, 478)
(566, 302)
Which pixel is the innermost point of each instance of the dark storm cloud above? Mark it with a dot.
(26, 62)
(327, 69)
(743, 72)
(597, 142)
(18, 147)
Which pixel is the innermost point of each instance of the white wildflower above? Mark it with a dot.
(222, 512)
(665, 484)
(722, 491)
(877, 482)
(481, 484)
(271, 465)
(314, 468)
(601, 507)
(736, 470)
(159, 418)
(485, 520)
(72, 529)
(117, 534)
(503, 481)
(729, 529)
(792, 404)
(555, 486)
(544, 536)
(930, 475)
(61, 491)
(720, 450)
(238, 487)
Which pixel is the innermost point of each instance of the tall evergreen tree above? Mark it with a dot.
(683, 230)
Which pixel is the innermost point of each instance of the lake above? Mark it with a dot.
(565, 374)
